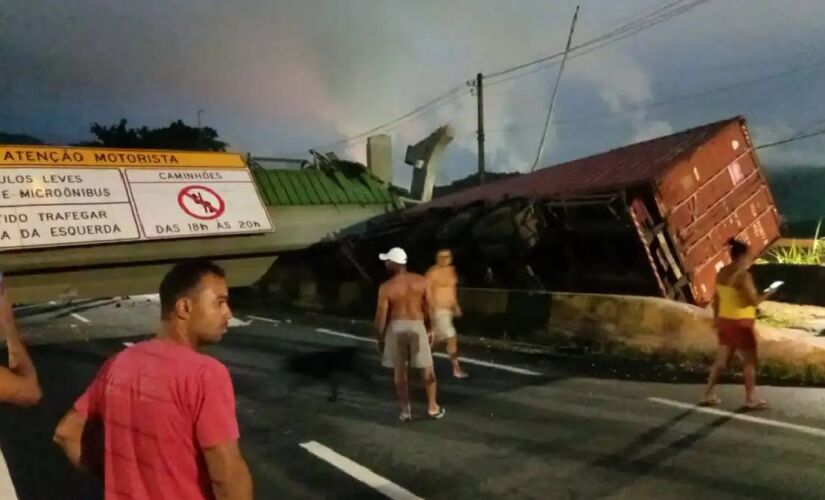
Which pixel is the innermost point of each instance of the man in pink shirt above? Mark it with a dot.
(167, 411)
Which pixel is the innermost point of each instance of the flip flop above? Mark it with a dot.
(757, 405)
(460, 375)
(405, 417)
(710, 401)
(439, 414)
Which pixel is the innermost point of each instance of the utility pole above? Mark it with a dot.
(199, 118)
(540, 152)
(480, 98)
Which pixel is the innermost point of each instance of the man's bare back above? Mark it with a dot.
(401, 318)
(406, 294)
(444, 281)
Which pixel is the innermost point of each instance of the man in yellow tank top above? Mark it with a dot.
(734, 312)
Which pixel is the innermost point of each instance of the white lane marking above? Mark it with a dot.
(6, 484)
(490, 364)
(81, 318)
(266, 320)
(235, 322)
(469, 361)
(151, 297)
(345, 335)
(359, 472)
(813, 431)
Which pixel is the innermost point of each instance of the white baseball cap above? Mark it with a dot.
(396, 254)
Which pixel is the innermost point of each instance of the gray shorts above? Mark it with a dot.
(407, 343)
(443, 324)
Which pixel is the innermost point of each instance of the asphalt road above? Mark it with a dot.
(558, 433)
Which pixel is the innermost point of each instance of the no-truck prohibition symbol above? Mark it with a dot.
(201, 202)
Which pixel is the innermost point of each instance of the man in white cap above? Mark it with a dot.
(404, 302)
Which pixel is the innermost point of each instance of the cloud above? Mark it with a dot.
(280, 76)
(807, 152)
(620, 79)
(651, 130)
(766, 133)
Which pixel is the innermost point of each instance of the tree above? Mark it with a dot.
(177, 135)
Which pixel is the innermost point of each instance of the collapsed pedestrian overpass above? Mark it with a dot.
(86, 223)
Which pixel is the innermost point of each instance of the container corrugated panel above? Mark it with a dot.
(613, 170)
(716, 193)
(315, 187)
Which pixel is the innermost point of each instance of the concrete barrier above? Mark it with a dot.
(638, 326)
(648, 324)
(644, 323)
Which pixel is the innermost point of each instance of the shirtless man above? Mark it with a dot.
(404, 302)
(443, 279)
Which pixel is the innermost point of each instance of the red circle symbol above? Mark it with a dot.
(201, 202)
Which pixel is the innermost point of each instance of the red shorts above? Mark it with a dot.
(736, 333)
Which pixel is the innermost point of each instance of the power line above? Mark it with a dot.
(443, 98)
(558, 54)
(704, 93)
(522, 74)
(598, 42)
(798, 137)
(593, 44)
(420, 113)
(654, 18)
(437, 102)
(677, 99)
(657, 16)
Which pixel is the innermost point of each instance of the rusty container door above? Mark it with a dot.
(715, 194)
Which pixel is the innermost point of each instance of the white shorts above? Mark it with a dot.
(407, 342)
(443, 324)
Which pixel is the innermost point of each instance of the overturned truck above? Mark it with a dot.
(651, 218)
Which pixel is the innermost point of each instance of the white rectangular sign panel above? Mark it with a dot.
(60, 206)
(38, 226)
(51, 196)
(175, 204)
(61, 186)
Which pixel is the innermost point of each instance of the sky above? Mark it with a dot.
(278, 77)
